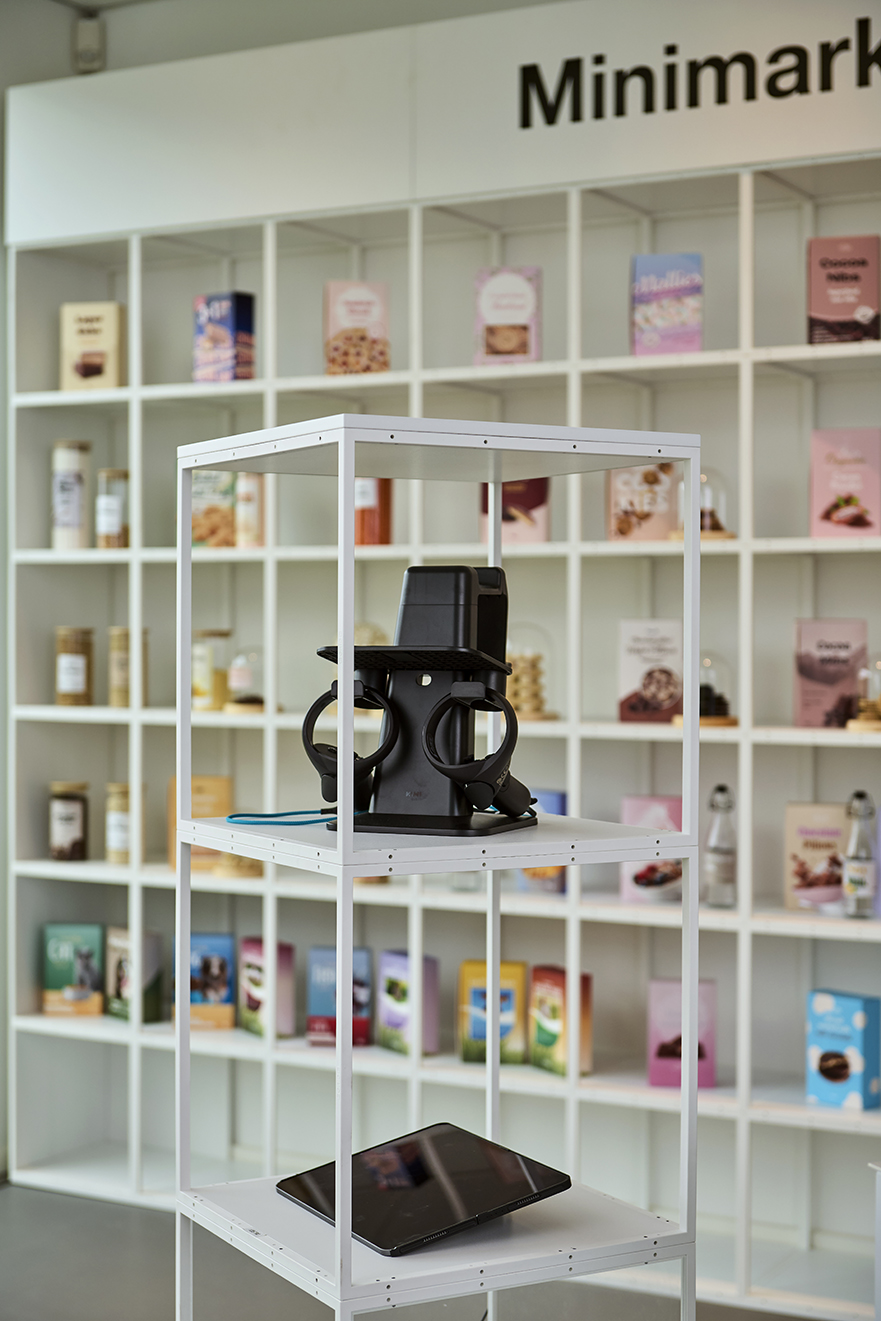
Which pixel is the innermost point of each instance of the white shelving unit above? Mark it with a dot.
(794, 1240)
(582, 1232)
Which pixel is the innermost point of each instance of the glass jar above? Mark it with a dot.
(73, 666)
(118, 667)
(245, 681)
(68, 820)
(70, 479)
(715, 689)
(111, 509)
(116, 824)
(211, 647)
(713, 506)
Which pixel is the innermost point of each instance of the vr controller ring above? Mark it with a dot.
(323, 756)
(487, 782)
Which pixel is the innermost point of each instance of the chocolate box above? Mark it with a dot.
(650, 669)
(655, 879)
(321, 996)
(846, 482)
(92, 346)
(843, 1066)
(471, 1027)
(252, 987)
(507, 324)
(666, 303)
(548, 1037)
(665, 1033)
(526, 511)
(393, 1002)
(73, 969)
(829, 654)
(223, 337)
(356, 328)
(815, 839)
(843, 290)
(642, 503)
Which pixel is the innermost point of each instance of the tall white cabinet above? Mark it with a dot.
(784, 1196)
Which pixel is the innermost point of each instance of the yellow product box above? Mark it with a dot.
(92, 346)
(472, 1012)
(212, 796)
(548, 1038)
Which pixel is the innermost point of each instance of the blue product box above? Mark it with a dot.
(223, 338)
(547, 880)
(321, 996)
(212, 980)
(844, 1050)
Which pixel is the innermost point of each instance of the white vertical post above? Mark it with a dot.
(345, 848)
(415, 257)
(688, 1284)
(493, 893)
(11, 693)
(183, 1268)
(415, 944)
(690, 750)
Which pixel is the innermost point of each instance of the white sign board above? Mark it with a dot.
(583, 92)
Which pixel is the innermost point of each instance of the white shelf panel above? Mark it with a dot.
(815, 545)
(101, 873)
(233, 1044)
(89, 555)
(794, 737)
(783, 1102)
(100, 1027)
(345, 384)
(117, 396)
(577, 1232)
(99, 1171)
(810, 925)
(554, 841)
(196, 391)
(73, 715)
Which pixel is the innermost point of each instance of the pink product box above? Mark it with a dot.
(507, 325)
(843, 289)
(252, 987)
(846, 482)
(651, 881)
(829, 654)
(665, 1034)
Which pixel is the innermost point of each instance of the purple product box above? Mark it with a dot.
(666, 303)
(223, 339)
(393, 1002)
(665, 1034)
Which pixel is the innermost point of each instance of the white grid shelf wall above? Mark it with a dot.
(753, 395)
(585, 1232)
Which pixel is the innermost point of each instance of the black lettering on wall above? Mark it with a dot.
(623, 76)
(828, 51)
(671, 75)
(721, 68)
(599, 89)
(866, 56)
(792, 78)
(532, 85)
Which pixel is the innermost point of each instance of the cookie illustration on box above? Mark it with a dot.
(356, 328)
(507, 326)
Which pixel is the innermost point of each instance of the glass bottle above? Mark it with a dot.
(720, 853)
(858, 883)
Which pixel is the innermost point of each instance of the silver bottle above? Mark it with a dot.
(859, 861)
(720, 852)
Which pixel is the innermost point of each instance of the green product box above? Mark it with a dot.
(119, 988)
(73, 969)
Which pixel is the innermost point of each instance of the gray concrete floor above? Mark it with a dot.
(70, 1259)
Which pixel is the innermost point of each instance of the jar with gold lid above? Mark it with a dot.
(74, 666)
(68, 820)
(111, 509)
(116, 824)
(118, 668)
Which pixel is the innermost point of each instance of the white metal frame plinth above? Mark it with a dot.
(580, 1232)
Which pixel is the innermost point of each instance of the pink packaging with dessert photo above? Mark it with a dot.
(843, 289)
(846, 482)
(654, 880)
(665, 1034)
(829, 654)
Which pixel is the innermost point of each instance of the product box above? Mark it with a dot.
(471, 1028)
(650, 669)
(665, 1034)
(507, 324)
(393, 1002)
(252, 987)
(214, 508)
(547, 880)
(846, 482)
(815, 839)
(212, 980)
(356, 328)
(666, 303)
(321, 996)
(658, 879)
(829, 654)
(73, 969)
(547, 1021)
(843, 1050)
(118, 964)
(526, 511)
(642, 503)
(223, 337)
(92, 346)
(843, 292)
(211, 796)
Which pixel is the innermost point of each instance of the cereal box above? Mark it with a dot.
(472, 1012)
(665, 1034)
(223, 339)
(321, 996)
(666, 307)
(650, 669)
(641, 503)
(119, 982)
(655, 879)
(92, 346)
(843, 290)
(846, 482)
(73, 969)
(843, 1066)
(525, 511)
(393, 1002)
(252, 987)
(214, 508)
(548, 1043)
(829, 654)
(507, 325)
(356, 328)
(815, 838)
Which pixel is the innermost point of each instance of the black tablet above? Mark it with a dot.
(426, 1186)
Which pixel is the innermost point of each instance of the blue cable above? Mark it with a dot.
(281, 818)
